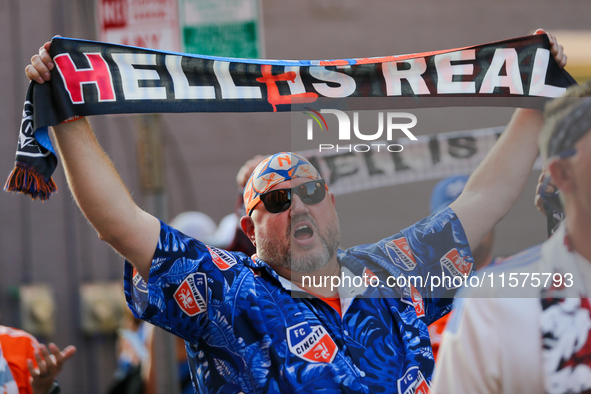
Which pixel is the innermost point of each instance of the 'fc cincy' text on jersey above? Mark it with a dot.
(246, 332)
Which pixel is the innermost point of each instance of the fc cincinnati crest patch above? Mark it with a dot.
(191, 294)
(455, 264)
(369, 277)
(406, 296)
(417, 301)
(400, 254)
(138, 282)
(311, 343)
(413, 382)
(222, 259)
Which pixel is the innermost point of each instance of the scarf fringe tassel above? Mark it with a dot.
(28, 180)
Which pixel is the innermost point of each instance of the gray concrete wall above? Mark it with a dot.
(51, 242)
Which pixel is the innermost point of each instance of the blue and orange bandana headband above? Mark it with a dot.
(273, 170)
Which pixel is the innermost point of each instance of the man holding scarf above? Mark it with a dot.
(255, 324)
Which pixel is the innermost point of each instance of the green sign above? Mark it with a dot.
(229, 28)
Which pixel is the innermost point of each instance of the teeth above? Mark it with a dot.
(301, 227)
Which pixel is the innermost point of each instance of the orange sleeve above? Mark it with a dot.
(18, 347)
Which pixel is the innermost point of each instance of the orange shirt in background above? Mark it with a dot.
(17, 347)
(436, 331)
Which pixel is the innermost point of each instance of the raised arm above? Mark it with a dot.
(499, 180)
(96, 185)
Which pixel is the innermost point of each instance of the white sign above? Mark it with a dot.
(143, 23)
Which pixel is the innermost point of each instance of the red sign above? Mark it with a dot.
(115, 13)
(143, 23)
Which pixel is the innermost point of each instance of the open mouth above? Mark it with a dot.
(303, 232)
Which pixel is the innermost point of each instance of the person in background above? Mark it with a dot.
(241, 243)
(135, 354)
(27, 367)
(532, 332)
(8, 384)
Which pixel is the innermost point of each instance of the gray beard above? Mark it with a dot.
(277, 252)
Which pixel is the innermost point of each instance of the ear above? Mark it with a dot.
(562, 175)
(332, 198)
(247, 226)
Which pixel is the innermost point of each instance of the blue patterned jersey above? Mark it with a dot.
(247, 331)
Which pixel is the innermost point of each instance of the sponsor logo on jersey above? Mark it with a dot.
(191, 294)
(311, 343)
(400, 254)
(369, 275)
(455, 264)
(138, 282)
(406, 296)
(417, 301)
(222, 259)
(413, 382)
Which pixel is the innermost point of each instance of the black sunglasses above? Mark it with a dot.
(277, 201)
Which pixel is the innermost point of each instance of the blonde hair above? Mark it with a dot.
(556, 110)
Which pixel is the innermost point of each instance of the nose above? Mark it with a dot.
(297, 205)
